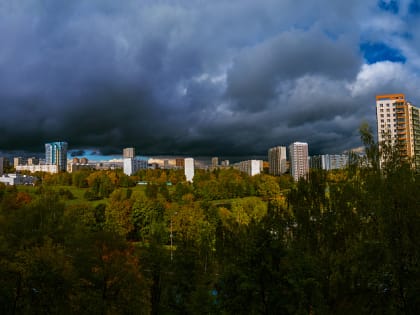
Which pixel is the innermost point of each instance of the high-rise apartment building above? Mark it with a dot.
(214, 161)
(56, 154)
(129, 153)
(189, 169)
(277, 160)
(299, 164)
(398, 124)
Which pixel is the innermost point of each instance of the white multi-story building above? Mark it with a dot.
(299, 164)
(189, 169)
(48, 168)
(225, 163)
(251, 167)
(277, 160)
(329, 161)
(132, 165)
(17, 179)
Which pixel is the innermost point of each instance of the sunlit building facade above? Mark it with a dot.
(398, 124)
(299, 164)
(189, 169)
(56, 154)
(129, 153)
(277, 160)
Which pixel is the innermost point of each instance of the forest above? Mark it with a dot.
(94, 242)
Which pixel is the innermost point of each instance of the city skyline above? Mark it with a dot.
(231, 78)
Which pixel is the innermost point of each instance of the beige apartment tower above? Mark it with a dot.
(128, 153)
(277, 160)
(398, 123)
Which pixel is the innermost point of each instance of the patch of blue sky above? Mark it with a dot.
(414, 7)
(376, 52)
(390, 5)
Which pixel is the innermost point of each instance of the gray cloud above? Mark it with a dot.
(194, 77)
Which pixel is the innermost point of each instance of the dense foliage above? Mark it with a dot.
(343, 242)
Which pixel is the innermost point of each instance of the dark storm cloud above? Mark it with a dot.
(193, 77)
(253, 78)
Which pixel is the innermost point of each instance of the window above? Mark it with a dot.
(382, 115)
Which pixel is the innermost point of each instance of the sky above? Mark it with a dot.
(195, 77)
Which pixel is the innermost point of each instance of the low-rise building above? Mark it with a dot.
(48, 168)
(17, 179)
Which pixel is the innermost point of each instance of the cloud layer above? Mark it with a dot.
(201, 77)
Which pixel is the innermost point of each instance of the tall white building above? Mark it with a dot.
(299, 164)
(277, 160)
(189, 169)
(251, 167)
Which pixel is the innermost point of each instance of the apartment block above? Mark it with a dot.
(398, 124)
(299, 164)
(56, 154)
(277, 160)
(189, 169)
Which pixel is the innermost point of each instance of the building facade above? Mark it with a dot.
(277, 160)
(398, 124)
(56, 154)
(18, 160)
(48, 168)
(251, 167)
(129, 153)
(179, 163)
(299, 164)
(189, 169)
(214, 162)
(329, 161)
(131, 165)
(17, 179)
